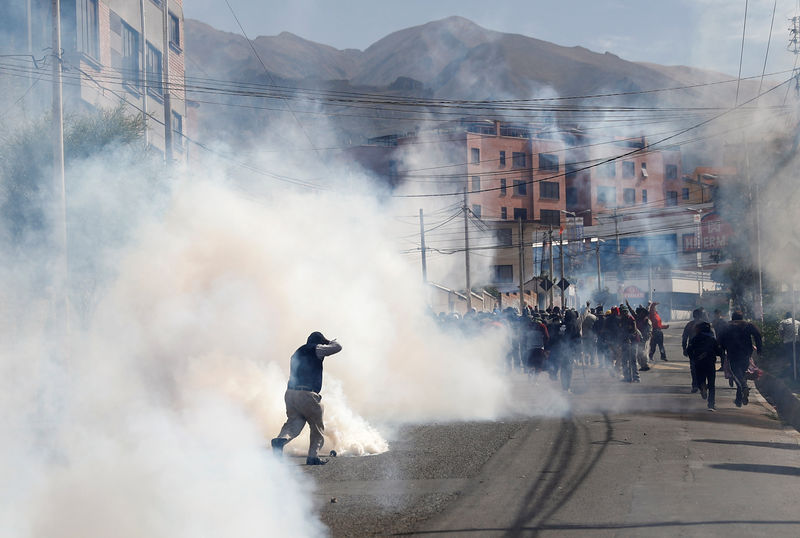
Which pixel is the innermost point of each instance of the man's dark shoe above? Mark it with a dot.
(730, 382)
(703, 392)
(694, 389)
(277, 445)
(315, 461)
(663, 357)
(737, 402)
(644, 368)
(745, 396)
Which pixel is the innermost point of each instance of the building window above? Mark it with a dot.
(476, 183)
(475, 156)
(644, 196)
(685, 193)
(607, 196)
(174, 31)
(504, 237)
(671, 171)
(518, 159)
(672, 198)
(476, 210)
(502, 159)
(550, 216)
(503, 273)
(520, 187)
(548, 162)
(571, 170)
(177, 130)
(503, 186)
(503, 213)
(628, 169)
(154, 69)
(608, 170)
(520, 213)
(629, 196)
(572, 196)
(89, 29)
(549, 190)
(644, 170)
(130, 56)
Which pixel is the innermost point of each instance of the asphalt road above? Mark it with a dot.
(643, 459)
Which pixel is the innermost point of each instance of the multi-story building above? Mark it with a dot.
(537, 181)
(624, 174)
(113, 52)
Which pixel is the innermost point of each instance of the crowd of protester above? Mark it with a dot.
(621, 339)
(552, 341)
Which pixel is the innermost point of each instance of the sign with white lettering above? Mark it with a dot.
(714, 235)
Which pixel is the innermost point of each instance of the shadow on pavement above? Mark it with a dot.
(783, 446)
(607, 526)
(726, 416)
(757, 468)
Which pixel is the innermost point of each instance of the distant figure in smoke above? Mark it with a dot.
(788, 329)
(657, 338)
(302, 395)
(738, 340)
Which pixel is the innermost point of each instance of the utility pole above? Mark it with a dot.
(521, 268)
(143, 70)
(165, 83)
(794, 340)
(597, 254)
(561, 263)
(616, 231)
(550, 292)
(649, 270)
(422, 247)
(466, 250)
(59, 186)
(756, 217)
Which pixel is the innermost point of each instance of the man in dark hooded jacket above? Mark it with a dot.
(738, 341)
(302, 395)
(703, 350)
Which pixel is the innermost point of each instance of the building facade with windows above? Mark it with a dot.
(113, 52)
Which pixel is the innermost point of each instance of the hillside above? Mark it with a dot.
(452, 58)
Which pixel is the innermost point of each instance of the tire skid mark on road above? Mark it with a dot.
(544, 498)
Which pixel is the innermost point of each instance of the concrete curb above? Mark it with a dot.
(779, 395)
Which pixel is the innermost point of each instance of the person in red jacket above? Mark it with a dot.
(657, 339)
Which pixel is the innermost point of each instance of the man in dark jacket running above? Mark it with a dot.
(302, 395)
(703, 350)
(738, 340)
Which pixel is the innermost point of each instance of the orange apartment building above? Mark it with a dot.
(534, 175)
(113, 52)
(624, 174)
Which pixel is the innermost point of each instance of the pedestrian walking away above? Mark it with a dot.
(788, 329)
(703, 350)
(688, 332)
(738, 340)
(302, 396)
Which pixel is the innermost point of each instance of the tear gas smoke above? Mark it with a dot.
(156, 421)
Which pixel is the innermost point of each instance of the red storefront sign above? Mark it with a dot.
(632, 292)
(714, 235)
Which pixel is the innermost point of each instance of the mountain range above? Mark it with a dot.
(452, 58)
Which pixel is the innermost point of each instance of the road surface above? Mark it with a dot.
(643, 459)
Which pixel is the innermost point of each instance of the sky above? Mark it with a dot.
(698, 33)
